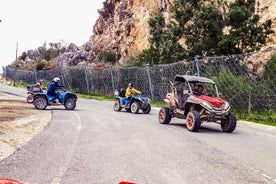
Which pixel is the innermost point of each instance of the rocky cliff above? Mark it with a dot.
(122, 26)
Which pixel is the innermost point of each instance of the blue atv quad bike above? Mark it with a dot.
(66, 98)
(134, 104)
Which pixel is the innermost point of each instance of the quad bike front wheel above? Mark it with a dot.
(134, 108)
(40, 103)
(70, 103)
(164, 115)
(147, 109)
(229, 124)
(193, 121)
(116, 106)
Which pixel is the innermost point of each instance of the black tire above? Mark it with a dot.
(147, 109)
(40, 103)
(70, 103)
(164, 115)
(116, 106)
(229, 124)
(193, 121)
(30, 98)
(128, 109)
(134, 108)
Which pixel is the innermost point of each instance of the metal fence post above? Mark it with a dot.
(86, 78)
(197, 62)
(35, 76)
(112, 78)
(150, 85)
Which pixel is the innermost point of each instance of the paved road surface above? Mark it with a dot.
(94, 144)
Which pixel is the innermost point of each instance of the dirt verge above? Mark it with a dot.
(19, 122)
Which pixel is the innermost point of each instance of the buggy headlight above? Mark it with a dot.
(207, 105)
(226, 105)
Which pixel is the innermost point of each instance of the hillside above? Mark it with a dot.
(122, 26)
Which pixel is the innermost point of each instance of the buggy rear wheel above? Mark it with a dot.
(193, 121)
(40, 103)
(70, 103)
(164, 116)
(116, 106)
(229, 124)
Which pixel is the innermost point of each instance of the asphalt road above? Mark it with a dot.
(96, 145)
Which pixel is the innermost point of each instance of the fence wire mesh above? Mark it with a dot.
(246, 81)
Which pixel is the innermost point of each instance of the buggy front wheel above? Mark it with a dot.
(229, 124)
(193, 121)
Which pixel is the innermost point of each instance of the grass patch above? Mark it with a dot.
(96, 96)
(261, 117)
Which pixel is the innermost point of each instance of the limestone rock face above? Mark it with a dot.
(122, 26)
(267, 10)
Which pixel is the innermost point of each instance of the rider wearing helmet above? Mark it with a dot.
(130, 91)
(198, 89)
(41, 84)
(53, 86)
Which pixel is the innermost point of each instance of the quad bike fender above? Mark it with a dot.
(35, 95)
(66, 95)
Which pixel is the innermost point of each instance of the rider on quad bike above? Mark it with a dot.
(130, 91)
(53, 87)
(131, 100)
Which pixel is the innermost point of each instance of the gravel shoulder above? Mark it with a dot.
(19, 123)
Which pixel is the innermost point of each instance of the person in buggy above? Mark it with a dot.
(51, 91)
(198, 89)
(130, 91)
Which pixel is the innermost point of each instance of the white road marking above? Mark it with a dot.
(62, 170)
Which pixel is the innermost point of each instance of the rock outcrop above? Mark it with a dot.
(122, 26)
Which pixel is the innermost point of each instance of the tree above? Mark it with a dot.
(164, 44)
(245, 34)
(206, 31)
(209, 29)
(107, 56)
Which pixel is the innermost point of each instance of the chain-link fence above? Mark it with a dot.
(246, 81)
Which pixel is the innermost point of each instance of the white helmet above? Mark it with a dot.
(56, 79)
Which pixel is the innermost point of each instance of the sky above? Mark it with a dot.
(28, 24)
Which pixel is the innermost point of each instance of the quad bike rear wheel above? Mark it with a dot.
(116, 106)
(193, 121)
(134, 108)
(30, 98)
(147, 109)
(40, 103)
(164, 115)
(70, 103)
(229, 124)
